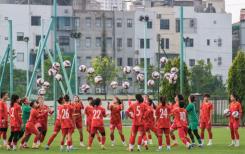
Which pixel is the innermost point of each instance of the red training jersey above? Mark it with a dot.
(15, 115)
(33, 118)
(138, 111)
(66, 116)
(149, 116)
(78, 107)
(163, 116)
(235, 106)
(98, 115)
(3, 115)
(180, 116)
(205, 111)
(115, 113)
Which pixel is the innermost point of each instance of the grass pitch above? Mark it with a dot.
(220, 145)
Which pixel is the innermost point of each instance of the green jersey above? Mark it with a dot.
(26, 109)
(192, 115)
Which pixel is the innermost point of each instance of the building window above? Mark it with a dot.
(35, 20)
(192, 62)
(119, 43)
(119, 22)
(20, 57)
(64, 40)
(208, 61)
(147, 43)
(98, 22)
(108, 22)
(98, 41)
(219, 61)
(38, 38)
(88, 22)
(77, 22)
(109, 42)
(149, 24)
(119, 62)
(164, 24)
(142, 42)
(67, 21)
(130, 61)
(177, 26)
(147, 61)
(20, 36)
(88, 42)
(129, 42)
(208, 42)
(129, 23)
(219, 42)
(167, 43)
(189, 42)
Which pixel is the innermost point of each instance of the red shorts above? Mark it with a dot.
(15, 129)
(160, 131)
(66, 131)
(57, 126)
(31, 129)
(118, 126)
(78, 123)
(173, 127)
(94, 130)
(138, 128)
(234, 124)
(206, 125)
(151, 127)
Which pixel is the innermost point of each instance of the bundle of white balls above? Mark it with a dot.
(98, 79)
(140, 77)
(136, 69)
(155, 75)
(172, 77)
(127, 70)
(44, 85)
(125, 85)
(151, 83)
(163, 60)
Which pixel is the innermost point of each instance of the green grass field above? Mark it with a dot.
(220, 141)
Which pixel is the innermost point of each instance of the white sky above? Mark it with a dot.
(234, 7)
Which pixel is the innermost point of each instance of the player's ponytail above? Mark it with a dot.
(97, 102)
(163, 100)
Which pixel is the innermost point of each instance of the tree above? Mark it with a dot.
(170, 90)
(19, 78)
(105, 67)
(236, 77)
(202, 80)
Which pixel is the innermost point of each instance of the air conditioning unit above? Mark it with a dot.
(159, 16)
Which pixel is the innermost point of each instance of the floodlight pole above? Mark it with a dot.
(76, 67)
(43, 53)
(4, 60)
(10, 42)
(55, 40)
(181, 49)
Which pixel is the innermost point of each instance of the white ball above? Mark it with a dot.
(155, 75)
(56, 66)
(98, 79)
(40, 81)
(90, 70)
(227, 112)
(140, 77)
(41, 92)
(150, 83)
(82, 68)
(67, 64)
(174, 70)
(167, 76)
(163, 60)
(235, 114)
(127, 70)
(58, 77)
(173, 76)
(46, 85)
(114, 84)
(136, 69)
(85, 88)
(125, 85)
(52, 72)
